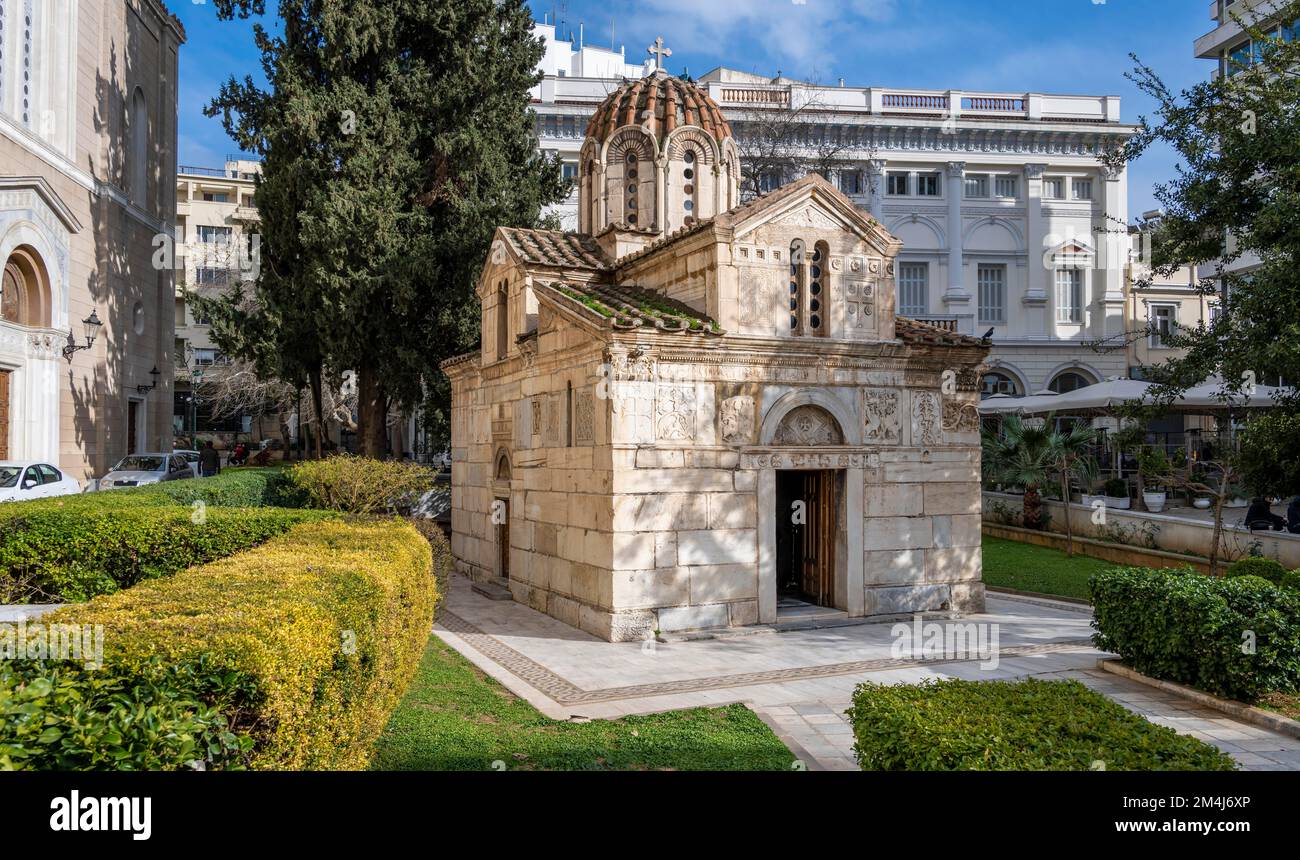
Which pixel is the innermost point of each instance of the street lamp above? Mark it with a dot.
(91, 326)
(145, 389)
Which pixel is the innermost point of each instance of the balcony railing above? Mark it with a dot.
(915, 101)
(945, 323)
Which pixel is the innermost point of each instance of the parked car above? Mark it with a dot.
(137, 470)
(22, 480)
(191, 457)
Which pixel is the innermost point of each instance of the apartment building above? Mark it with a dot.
(216, 238)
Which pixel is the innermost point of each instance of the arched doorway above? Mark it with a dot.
(24, 306)
(810, 488)
(501, 512)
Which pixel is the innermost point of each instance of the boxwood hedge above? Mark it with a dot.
(1236, 637)
(291, 655)
(61, 553)
(1003, 725)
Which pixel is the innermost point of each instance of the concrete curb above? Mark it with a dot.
(1238, 710)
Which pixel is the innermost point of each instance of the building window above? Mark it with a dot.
(997, 383)
(1006, 186)
(896, 184)
(138, 127)
(207, 357)
(1162, 320)
(976, 185)
(769, 181)
(211, 197)
(927, 185)
(1082, 189)
(992, 287)
(689, 189)
(1068, 381)
(27, 63)
(913, 288)
(215, 235)
(1069, 295)
(208, 276)
(1054, 188)
(851, 181)
(569, 170)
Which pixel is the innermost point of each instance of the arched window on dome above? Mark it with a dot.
(690, 186)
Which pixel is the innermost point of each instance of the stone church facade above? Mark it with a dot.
(694, 410)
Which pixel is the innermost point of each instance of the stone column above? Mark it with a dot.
(854, 514)
(1112, 252)
(767, 546)
(956, 292)
(1036, 294)
(876, 187)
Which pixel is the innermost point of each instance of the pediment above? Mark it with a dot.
(812, 202)
(46, 194)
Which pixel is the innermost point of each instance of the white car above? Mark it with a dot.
(191, 457)
(137, 470)
(20, 481)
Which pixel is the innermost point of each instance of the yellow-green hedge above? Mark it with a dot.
(305, 643)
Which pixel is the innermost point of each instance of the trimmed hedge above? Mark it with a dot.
(1232, 637)
(234, 488)
(299, 649)
(60, 553)
(360, 485)
(944, 725)
(1254, 565)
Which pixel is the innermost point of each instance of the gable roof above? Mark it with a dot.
(555, 248)
(773, 200)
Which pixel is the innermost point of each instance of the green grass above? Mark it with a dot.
(1025, 567)
(455, 718)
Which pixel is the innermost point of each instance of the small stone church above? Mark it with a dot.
(700, 413)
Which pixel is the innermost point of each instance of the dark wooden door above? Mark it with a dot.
(503, 540)
(4, 415)
(132, 411)
(819, 538)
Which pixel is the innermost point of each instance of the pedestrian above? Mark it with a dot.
(1293, 516)
(209, 460)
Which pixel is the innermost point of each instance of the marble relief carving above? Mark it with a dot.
(883, 420)
(808, 426)
(583, 416)
(926, 418)
(960, 416)
(675, 413)
(737, 420)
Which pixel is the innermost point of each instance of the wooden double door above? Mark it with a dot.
(807, 526)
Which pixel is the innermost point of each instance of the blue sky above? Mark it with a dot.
(1055, 46)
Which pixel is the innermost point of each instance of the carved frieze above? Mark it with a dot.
(584, 417)
(675, 413)
(926, 417)
(960, 416)
(883, 416)
(737, 420)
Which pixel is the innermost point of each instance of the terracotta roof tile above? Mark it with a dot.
(915, 332)
(658, 103)
(555, 248)
(628, 306)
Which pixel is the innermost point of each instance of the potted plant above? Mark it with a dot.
(1116, 490)
(1088, 473)
(1153, 465)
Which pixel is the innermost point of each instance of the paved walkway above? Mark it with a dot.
(801, 682)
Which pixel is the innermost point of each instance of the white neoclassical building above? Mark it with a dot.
(87, 186)
(1008, 219)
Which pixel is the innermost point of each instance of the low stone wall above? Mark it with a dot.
(1143, 531)
(1121, 554)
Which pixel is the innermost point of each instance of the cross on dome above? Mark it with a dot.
(658, 51)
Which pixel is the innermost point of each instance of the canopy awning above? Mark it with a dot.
(1206, 398)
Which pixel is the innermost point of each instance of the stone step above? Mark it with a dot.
(492, 590)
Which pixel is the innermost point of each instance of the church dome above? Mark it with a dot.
(658, 103)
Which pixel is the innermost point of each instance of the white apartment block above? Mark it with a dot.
(216, 227)
(1009, 220)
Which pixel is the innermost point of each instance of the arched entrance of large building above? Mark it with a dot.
(28, 400)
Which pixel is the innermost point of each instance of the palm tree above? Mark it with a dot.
(1033, 456)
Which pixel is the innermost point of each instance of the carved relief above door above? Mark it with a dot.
(807, 426)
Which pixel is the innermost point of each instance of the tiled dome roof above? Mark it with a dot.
(658, 103)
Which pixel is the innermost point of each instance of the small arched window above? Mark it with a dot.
(796, 285)
(818, 289)
(503, 320)
(690, 201)
(1068, 381)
